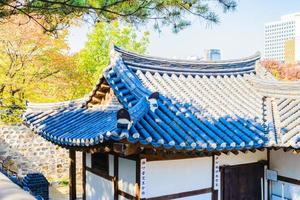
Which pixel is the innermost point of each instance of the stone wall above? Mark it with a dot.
(24, 152)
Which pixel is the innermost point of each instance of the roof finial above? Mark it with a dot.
(153, 101)
(123, 119)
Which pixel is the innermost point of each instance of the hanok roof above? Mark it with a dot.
(186, 105)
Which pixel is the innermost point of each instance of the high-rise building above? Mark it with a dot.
(282, 39)
(212, 54)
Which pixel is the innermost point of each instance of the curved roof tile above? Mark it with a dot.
(211, 106)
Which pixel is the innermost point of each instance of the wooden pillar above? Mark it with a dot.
(83, 175)
(116, 175)
(72, 174)
(215, 193)
(138, 178)
(268, 181)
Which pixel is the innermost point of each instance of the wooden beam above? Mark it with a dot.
(182, 194)
(99, 94)
(235, 152)
(104, 87)
(100, 173)
(287, 149)
(226, 152)
(138, 178)
(72, 175)
(289, 180)
(214, 192)
(83, 175)
(244, 151)
(116, 175)
(126, 149)
(252, 150)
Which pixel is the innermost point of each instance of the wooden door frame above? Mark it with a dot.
(222, 168)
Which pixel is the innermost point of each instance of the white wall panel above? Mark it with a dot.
(88, 158)
(127, 177)
(286, 163)
(242, 158)
(122, 198)
(98, 188)
(175, 176)
(111, 165)
(197, 197)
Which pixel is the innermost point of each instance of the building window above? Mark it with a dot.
(100, 162)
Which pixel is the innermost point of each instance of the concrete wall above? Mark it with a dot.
(286, 164)
(98, 188)
(175, 176)
(25, 152)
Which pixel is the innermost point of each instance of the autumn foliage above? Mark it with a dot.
(283, 71)
(36, 66)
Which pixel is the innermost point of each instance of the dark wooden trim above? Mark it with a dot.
(289, 180)
(138, 178)
(174, 156)
(222, 168)
(268, 158)
(129, 157)
(263, 162)
(126, 195)
(214, 195)
(100, 173)
(83, 176)
(268, 167)
(116, 175)
(72, 174)
(182, 194)
(94, 159)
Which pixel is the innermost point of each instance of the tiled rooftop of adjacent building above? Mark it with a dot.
(211, 106)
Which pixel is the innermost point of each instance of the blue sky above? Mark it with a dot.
(239, 33)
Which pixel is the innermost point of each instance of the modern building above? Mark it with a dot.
(212, 54)
(282, 39)
(157, 128)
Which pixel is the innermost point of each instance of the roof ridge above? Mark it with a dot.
(70, 103)
(257, 55)
(172, 66)
(276, 88)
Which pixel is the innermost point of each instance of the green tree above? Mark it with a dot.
(52, 14)
(94, 57)
(33, 66)
(36, 66)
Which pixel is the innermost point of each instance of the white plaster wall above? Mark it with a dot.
(175, 176)
(122, 198)
(197, 197)
(88, 158)
(111, 165)
(127, 177)
(286, 164)
(98, 188)
(242, 158)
